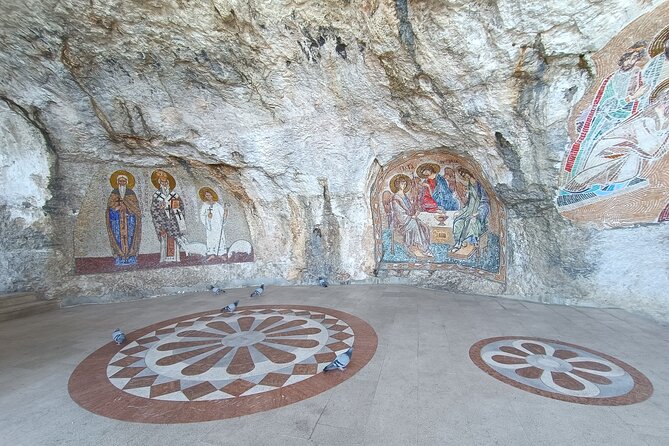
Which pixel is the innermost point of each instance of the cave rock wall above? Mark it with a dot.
(294, 108)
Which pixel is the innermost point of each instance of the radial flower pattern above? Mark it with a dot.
(560, 370)
(225, 355)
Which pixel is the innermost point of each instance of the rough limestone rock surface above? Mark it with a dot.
(294, 106)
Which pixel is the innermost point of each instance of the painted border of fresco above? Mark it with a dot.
(497, 211)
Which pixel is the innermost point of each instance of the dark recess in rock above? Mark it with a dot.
(511, 159)
(341, 48)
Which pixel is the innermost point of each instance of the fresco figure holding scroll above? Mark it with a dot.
(124, 219)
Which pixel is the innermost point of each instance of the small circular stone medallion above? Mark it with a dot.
(561, 371)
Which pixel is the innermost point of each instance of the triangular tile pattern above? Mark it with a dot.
(140, 381)
(237, 387)
(128, 371)
(258, 389)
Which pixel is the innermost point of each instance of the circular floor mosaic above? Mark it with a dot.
(561, 371)
(213, 365)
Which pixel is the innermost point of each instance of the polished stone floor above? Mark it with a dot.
(448, 369)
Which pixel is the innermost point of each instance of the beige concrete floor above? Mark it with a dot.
(420, 388)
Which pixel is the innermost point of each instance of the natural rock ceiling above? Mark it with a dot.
(266, 85)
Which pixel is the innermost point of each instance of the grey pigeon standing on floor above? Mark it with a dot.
(118, 336)
(341, 361)
(216, 290)
(230, 308)
(258, 291)
(322, 282)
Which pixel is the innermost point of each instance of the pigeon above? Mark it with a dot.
(216, 290)
(118, 336)
(230, 308)
(322, 282)
(258, 291)
(341, 361)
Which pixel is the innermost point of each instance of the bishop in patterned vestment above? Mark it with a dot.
(167, 212)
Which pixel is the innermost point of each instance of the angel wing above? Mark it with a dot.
(387, 198)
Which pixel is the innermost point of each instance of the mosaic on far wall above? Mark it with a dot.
(138, 218)
(616, 170)
(433, 210)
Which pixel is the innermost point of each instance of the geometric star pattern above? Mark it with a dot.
(214, 365)
(228, 355)
(562, 371)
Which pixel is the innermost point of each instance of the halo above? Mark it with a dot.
(433, 166)
(113, 179)
(205, 189)
(657, 45)
(661, 88)
(394, 187)
(160, 172)
(462, 171)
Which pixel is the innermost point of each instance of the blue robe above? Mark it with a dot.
(443, 195)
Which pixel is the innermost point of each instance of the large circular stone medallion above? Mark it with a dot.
(561, 371)
(213, 365)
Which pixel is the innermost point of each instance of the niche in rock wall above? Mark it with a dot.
(616, 169)
(434, 210)
(138, 218)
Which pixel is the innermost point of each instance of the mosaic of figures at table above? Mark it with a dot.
(616, 170)
(435, 211)
(137, 218)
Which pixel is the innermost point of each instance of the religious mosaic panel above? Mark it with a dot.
(616, 170)
(136, 218)
(434, 211)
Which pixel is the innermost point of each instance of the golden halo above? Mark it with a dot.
(113, 179)
(657, 45)
(205, 189)
(661, 89)
(394, 187)
(161, 173)
(432, 166)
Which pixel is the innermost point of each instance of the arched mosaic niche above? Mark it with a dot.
(434, 210)
(140, 218)
(616, 169)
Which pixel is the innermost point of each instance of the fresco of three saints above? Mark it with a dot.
(435, 212)
(184, 234)
(617, 170)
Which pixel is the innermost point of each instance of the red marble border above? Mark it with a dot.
(91, 389)
(641, 391)
(101, 265)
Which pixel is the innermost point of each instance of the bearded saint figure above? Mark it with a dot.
(124, 219)
(167, 212)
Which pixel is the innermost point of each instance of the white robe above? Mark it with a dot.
(624, 152)
(212, 217)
